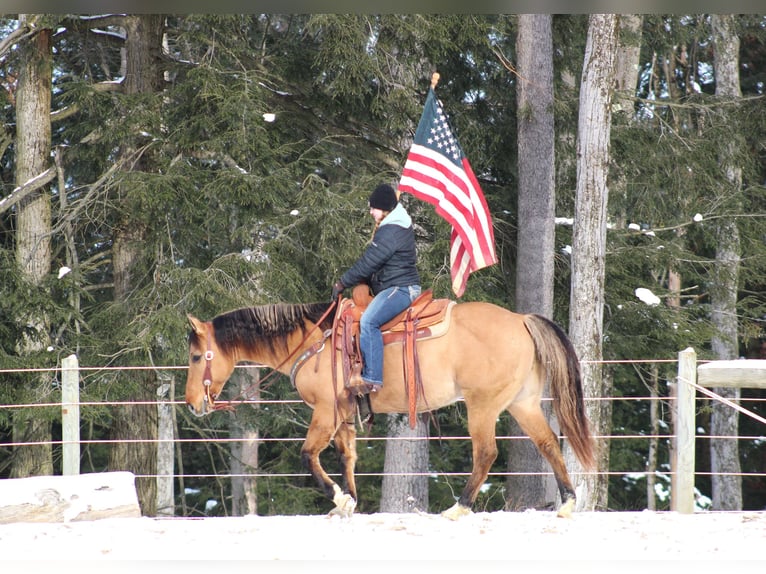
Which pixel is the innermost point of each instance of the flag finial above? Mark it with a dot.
(434, 80)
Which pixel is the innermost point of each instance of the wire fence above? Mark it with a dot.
(665, 435)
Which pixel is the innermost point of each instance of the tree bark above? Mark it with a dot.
(627, 61)
(589, 242)
(724, 421)
(244, 454)
(143, 46)
(405, 478)
(33, 233)
(536, 488)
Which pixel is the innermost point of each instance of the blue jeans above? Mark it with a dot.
(384, 306)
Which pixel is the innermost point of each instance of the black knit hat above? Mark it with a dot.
(384, 197)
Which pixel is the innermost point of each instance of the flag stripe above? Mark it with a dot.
(461, 263)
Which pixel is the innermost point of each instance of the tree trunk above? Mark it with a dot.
(405, 471)
(244, 454)
(536, 236)
(134, 430)
(143, 45)
(627, 61)
(33, 232)
(589, 243)
(654, 443)
(625, 86)
(724, 421)
(626, 67)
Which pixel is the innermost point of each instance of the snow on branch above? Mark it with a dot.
(24, 190)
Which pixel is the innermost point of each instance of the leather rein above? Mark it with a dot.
(207, 375)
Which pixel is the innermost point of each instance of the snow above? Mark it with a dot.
(647, 296)
(532, 535)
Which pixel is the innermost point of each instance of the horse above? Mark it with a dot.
(492, 358)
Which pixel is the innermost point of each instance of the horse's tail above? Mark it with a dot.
(559, 359)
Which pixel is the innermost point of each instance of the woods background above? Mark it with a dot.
(155, 165)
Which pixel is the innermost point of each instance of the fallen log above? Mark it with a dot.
(69, 498)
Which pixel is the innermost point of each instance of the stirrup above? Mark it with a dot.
(364, 414)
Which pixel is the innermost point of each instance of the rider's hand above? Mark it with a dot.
(337, 289)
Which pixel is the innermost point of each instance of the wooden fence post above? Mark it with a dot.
(165, 434)
(682, 455)
(70, 415)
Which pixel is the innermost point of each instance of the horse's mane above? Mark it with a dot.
(252, 328)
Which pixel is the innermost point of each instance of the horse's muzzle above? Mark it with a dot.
(202, 411)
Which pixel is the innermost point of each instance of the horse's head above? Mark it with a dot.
(209, 368)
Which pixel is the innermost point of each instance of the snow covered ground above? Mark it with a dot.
(623, 538)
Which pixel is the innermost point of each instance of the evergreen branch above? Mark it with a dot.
(92, 189)
(709, 218)
(70, 110)
(225, 158)
(699, 106)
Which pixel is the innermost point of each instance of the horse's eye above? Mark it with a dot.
(196, 358)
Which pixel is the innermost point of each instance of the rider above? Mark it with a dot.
(388, 266)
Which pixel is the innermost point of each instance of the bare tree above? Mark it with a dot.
(536, 234)
(589, 239)
(724, 421)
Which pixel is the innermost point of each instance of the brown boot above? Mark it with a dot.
(356, 384)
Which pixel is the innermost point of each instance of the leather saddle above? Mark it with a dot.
(425, 318)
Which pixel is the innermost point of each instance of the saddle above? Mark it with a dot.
(423, 319)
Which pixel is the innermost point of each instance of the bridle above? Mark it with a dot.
(207, 375)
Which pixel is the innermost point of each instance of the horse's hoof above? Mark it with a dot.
(344, 505)
(457, 511)
(566, 509)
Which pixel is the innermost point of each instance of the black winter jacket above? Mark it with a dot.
(389, 261)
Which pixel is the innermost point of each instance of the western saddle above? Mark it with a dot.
(424, 319)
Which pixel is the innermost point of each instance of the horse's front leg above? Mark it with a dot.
(345, 442)
(321, 431)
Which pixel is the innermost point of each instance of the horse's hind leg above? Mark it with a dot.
(481, 427)
(321, 431)
(532, 421)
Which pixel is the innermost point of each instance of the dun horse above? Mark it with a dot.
(491, 358)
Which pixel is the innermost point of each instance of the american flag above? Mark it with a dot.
(438, 172)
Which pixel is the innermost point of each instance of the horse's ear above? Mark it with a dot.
(196, 324)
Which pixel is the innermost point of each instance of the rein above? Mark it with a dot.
(207, 378)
